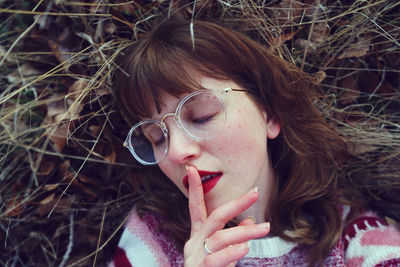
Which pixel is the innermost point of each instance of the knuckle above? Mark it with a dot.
(217, 217)
(192, 205)
(208, 262)
(188, 247)
(219, 238)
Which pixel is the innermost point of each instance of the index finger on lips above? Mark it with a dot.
(219, 217)
(197, 207)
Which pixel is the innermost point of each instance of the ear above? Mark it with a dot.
(273, 127)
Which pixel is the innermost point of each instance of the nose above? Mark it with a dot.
(182, 148)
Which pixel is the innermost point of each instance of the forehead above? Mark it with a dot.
(168, 102)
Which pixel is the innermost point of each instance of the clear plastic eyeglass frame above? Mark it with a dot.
(219, 93)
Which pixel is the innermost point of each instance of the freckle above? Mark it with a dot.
(229, 161)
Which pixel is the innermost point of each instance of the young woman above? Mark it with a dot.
(243, 170)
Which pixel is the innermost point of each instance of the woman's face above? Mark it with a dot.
(237, 155)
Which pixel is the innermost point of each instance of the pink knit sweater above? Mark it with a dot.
(368, 241)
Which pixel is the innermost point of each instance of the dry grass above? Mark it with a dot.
(65, 178)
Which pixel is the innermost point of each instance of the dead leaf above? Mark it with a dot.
(59, 109)
(14, 207)
(358, 149)
(25, 71)
(286, 12)
(59, 136)
(95, 129)
(56, 111)
(319, 76)
(10, 58)
(70, 177)
(48, 199)
(59, 51)
(350, 90)
(63, 169)
(63, 205)
(75, 98)
(103, 91)
(277, 42)
(76, 90)
(320, 33)
(59, 119)
(84, 188)
(359, 49)
(55, 105)
(46, 167)
(50, 187)
(85, 179)
(377, 132)
(303, 43)
(392, 222)
(127, 8)
(111, 158)
(109, 27)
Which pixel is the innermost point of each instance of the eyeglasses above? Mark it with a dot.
(201, 115)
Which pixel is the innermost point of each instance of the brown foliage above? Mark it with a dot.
(66, 180)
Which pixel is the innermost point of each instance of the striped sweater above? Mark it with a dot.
(368, 241)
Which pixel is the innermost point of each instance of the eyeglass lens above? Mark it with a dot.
(201, 116)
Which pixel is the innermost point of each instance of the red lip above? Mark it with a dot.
(207, 185)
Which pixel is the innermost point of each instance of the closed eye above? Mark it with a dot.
(203, 119)
(160, 141)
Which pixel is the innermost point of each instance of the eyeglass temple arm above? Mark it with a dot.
(226, 90)
(239, 90)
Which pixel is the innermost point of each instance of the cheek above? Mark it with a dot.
(169, 171)
(235, 142)
(241, 141)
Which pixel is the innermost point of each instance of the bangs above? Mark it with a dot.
(162, 69)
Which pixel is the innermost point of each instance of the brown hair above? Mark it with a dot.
(304, 156)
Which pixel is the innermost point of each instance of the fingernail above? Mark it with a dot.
(265, 225)
(254, 190)
(251, 218)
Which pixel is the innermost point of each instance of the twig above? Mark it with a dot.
(100, 234)
(78, 171)
(310, 33)
(379, 85)
(22, 35)
(387, 35)
(71, 240)
(96, 4)
(57, 68)
(16, 257)
(51, 13)
(105, 243)
(37, 5)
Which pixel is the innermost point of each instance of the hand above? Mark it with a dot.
(227, 245)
